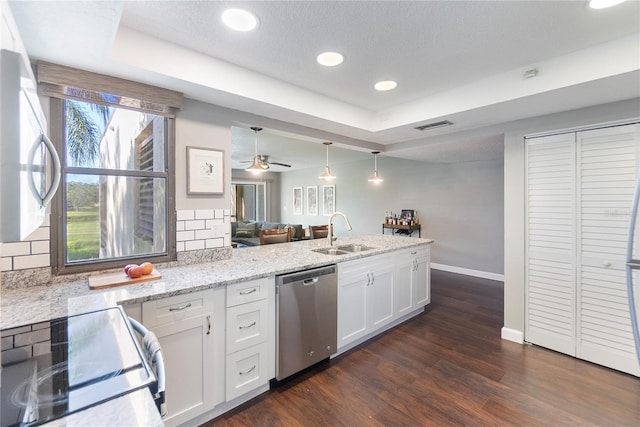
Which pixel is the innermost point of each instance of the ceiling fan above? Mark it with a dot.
(260, 162)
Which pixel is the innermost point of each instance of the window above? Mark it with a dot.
(115, 204)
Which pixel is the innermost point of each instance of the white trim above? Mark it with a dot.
(583, 128)
(468, 272)
(512, 335)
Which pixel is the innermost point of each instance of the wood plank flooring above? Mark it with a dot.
(449, 366)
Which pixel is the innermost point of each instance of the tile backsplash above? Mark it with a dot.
(196, 229)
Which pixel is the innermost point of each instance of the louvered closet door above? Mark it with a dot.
(551, 252)
(607, 168)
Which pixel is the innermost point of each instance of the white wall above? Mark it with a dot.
(459, 205)
(514, 191)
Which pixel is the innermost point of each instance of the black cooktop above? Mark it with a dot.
(93, 357)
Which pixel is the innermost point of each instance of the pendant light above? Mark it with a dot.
(257, 166)
(375, 178)
(327, 175)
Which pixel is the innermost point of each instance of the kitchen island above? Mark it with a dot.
(260, 264)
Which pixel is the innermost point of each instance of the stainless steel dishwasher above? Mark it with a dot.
(307, 325)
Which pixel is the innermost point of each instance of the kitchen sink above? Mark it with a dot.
(354, 248)
(330, 251)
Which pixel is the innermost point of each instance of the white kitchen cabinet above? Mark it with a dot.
(579, 191)
(191, 329)
(412, 281)
(365, 297)
(250, 359)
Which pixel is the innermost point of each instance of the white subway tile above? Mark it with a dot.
(218, 230)
(7, 343)
(6, 264)
(29, 338)
(30, 261)
(16, 248)
(179, 225)
(41, 348)
(197, 224)
(183, 236)
(212, 222)
(179, 246)
(214, 243)
(40, 247)
(16, 331)
(204, 234)
(41, 233)
(227, 240)
(219, 214)
(227, 212)
(204, 214)
(194, 245)
(40, 325)
(185, 215)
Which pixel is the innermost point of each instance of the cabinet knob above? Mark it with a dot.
(606, 263)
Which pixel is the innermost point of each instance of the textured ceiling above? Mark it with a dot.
(456, 60)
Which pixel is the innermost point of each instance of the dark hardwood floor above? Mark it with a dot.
(449, 366)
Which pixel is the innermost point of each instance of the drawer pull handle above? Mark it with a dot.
(247, 371)
(208, 325)
(414, 252)
(248, 292)
(182, 307)
(248, 326)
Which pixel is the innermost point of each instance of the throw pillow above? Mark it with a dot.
(246, 230)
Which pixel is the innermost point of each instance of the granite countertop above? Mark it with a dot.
(41, 303)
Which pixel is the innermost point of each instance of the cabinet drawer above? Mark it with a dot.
(176, 308)
(414, 253)
(246, 370)
(246, 325)
(243, 292)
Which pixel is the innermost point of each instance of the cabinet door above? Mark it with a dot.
(380, 297)
(421, 282)
(405, 267)
(352, 303)
(550, 282)
(607, 167)
(187, 348)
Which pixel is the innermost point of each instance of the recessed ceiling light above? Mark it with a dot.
(602, 4)
(239, 19)
(330, 59)
(386, 85)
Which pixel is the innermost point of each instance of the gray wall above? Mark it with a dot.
(459, 205)
(514, 201)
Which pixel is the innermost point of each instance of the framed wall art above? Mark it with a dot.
(205, 171)
(312, 200)
(328, 199)
(297, 200)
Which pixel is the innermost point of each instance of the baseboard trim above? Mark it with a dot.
(512, 335)
(468, 272)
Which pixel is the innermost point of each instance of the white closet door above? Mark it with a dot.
(607, 169)
(551, 243)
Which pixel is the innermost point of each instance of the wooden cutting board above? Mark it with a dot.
(110, 280)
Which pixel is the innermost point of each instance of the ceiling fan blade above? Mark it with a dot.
(281, 164)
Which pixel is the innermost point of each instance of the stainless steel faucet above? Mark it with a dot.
(330, 237)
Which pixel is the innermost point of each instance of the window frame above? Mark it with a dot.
(59, 264)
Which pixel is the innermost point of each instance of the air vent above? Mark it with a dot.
(434, 125)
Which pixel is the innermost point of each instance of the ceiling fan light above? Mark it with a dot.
(256, 166)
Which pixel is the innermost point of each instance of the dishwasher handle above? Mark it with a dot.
(310, 282)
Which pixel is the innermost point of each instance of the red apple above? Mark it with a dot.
(135, 272)
(128, 267)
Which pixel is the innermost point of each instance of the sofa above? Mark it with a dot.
(246, 233)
